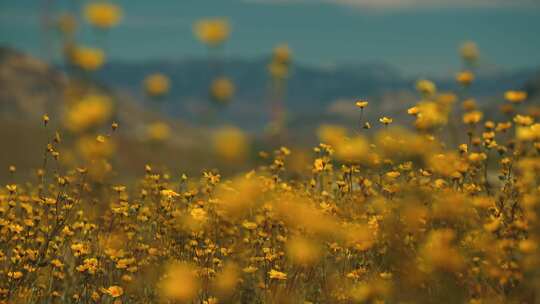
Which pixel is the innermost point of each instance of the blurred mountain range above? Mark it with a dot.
(29, 88)
(313, 93)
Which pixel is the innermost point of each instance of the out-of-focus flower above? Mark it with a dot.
(102, 15)
(230, 143)
(302, 251)
(465, 78)
(156, 85)
(222, 89)
(430, 115)
(352, 149)
(180, 283)
(523, 120)
(515, 96)
(86, 58)
(331, 134)
(472, 117)
(212, 32)
(278, 70)
(413, 111)
(426, 87)
(469, 104)
(282, 54)
(439, 253)
(90, 149)
(278, 67)
(528, 133)
(469, 52)
(91, 111)
(227, 280)
(158, 131)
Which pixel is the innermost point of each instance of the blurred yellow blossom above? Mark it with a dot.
(91, 111)
(465, 78)
(103, 15)
(515, 96)
(87, 58)
(222, 89)
(469, 52)
(212, 32)
(230, 143)
(158, 131)
(180, 282)
(156, 85)
(426, 87)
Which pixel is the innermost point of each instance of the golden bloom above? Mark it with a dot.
(249, 225)
(426, 87)
(180, 283)
(413, 111)
(226, 280)
(361, 103)
(528, 133)
(515, 96)
(439, 253)
(385, 120)
(523, 120)
(472, 117)
(282, 54)
(169, 193)
(277, 275)
(331, 134)
(430, 114)
(230, 143)
(222, 89)
(15, 275)
(302, 251)
(469, 52)
(199, 214)
(113, 291)
(87, 58)
(528, 246)
(393, 174)
(278, 70)
(90, 148)
(102, 15)
(91, 111)
(156, 85)
(352, 149)
(469, 104)
(477, 157)
(250, 269)
(212, 32)
(100, 139)
(465, 78)
(158, 131)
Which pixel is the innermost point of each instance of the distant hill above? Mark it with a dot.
(310, 90)
(314, 94)
(30, 88)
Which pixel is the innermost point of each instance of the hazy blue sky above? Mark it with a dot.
(417, 36)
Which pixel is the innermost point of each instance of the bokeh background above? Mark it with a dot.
(265, 73)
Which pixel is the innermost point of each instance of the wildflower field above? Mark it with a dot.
(439, 206)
